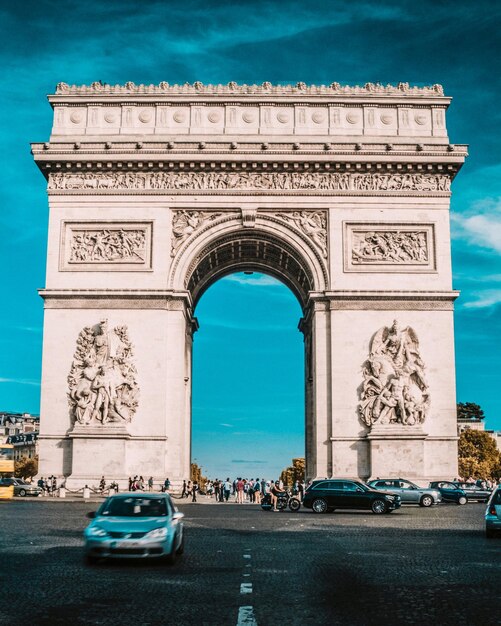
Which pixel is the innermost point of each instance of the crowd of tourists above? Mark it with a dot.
(240, 490)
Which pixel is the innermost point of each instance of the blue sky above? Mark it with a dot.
(454, 42)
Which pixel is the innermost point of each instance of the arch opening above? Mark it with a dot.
(248, 402)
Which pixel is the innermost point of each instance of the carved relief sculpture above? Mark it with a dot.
(110, 245)
(191, 182)
(102, 380)
(311, 223)
(401, 247)
(394, 390)
(185, 223)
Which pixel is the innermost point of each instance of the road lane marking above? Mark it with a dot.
(246, 588)
(247, 556)
(246, 616)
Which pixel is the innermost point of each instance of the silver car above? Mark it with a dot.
(409, 492)
(135, 525)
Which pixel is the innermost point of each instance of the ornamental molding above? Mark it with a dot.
(389, 247)
(102, 383)
(394, 389)
(234, 89)
(110, 246)
(223, 182)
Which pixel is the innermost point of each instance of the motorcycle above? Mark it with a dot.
(284, 500)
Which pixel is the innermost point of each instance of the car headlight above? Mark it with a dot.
(96, 531)
(390, 497)
(157, 533)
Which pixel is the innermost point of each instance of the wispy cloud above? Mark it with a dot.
(227, 425)
(262, 280)
(248, 462)
(20, 381)
(481, 225)
(485, 299)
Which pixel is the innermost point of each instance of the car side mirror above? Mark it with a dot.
(178, 515)
(91, 514)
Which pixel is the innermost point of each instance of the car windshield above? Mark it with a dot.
(496, 499)
(135, 507)
(20, 481)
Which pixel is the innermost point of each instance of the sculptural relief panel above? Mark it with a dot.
(109, 246)
(102, 385)
(389, 247)
(394, 390)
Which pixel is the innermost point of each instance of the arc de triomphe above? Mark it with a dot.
(156, 191)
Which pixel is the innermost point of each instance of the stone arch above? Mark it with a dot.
(224, 246)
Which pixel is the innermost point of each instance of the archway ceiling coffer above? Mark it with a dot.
(253, 252)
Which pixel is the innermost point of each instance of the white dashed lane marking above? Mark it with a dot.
(246, 616)
(246, 588)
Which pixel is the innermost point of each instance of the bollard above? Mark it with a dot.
(86, 493)
(62, 492)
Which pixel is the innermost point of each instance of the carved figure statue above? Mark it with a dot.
(311, 223)
(102, 380)
(185, 223)
(394, 390)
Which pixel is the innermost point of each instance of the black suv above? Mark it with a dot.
(330, 494)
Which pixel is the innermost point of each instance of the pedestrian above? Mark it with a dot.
(150, 483)
(40, 483)
(53, 486)
(166, 485)
(194, 490)
(240, 491)
(227, 489)
(257, 492)
(102, 484)
(130, 483)
(184, 491)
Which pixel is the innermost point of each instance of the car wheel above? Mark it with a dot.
(426, 501)
(378, 506)
(22, 492)
(294, 504)
(170, 559)
(462, 500)
(319, 505)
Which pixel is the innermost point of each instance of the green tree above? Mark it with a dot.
(294, 472)
(469, 411)
(196, 474)
(478, 455)
(26, 468)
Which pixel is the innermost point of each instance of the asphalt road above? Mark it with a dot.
(415, 566)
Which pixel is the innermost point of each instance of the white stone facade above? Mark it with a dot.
(341, 192)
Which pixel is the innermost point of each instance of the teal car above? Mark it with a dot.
(493, 515)
(135, 526)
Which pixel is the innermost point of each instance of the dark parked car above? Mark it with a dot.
(21, 487)
(493, 514)
(474, 492)
(451, 492)
(409, 493)
(330, 494)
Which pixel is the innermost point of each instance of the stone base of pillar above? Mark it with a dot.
(397, 452)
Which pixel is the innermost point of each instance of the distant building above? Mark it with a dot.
(17, 424)
(25, 445)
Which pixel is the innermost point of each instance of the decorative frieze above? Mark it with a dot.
(387, 247)
(194, 182)
(394, 390)
(102, 380)
(106, 245)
